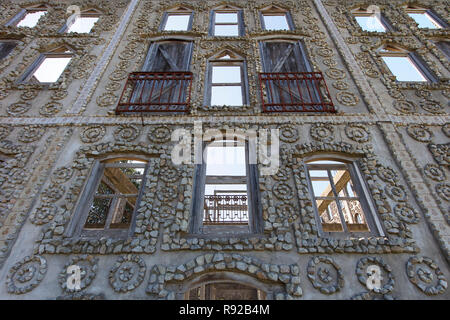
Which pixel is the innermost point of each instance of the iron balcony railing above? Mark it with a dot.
(295, 92)
(225, 210)
(156, 92)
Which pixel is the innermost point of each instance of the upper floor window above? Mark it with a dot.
(111, 198)
(227, 21)
(425, 18)
(226, 80)
(82, 23)
(6, 46)
(404, 65)
(371, 21)
(28, 17)
(178, 19)
(225, 193)
(275, 18)
(341, 199)
(48, 67)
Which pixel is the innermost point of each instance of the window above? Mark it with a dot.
(370, 21)
(227, 21)
(48, 67)
(179, 19)
(225, 185)
(405, 66)
(340, 198)
(111, 198)
(227, 80)
(28, 17)
(274, 18)
(425, 18)
(6, 46)
(83, 23)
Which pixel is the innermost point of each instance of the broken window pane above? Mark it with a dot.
(370, 23)
(31, 19)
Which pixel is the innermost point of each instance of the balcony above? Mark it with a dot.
(295, 92)
(225, 210)
(162, 92)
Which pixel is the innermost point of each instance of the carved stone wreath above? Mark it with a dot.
(431, 106)
(396, 193)
(434, 172)
(422, 271)
(386, 277)
(322, 278)
(443, 190)
(26, 274)
(169, 174)
(288, 133)
(161, 134)
(340, 85)
(62, 174)
(88, 267)
(126, 132)
(127, 273)
(29, 94)
(50, 109)
(322, 132)
(387, 174)
(419, 133)
(30, 134)
(357, 132)
(347, 98)
(405, 106)
(282, 191)
(18, 108)
(407, 214)
(93, 134)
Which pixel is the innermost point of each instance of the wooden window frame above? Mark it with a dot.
(239, 23)
(166, 15)
(255, 221)
(364, 198)
(26, 77)
(277, 12)
(76, 225)
(216, 62)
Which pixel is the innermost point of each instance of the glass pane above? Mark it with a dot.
(83, 25)
(424, 20)
(354, 216)
(329, 216)
(404, 69)
(276, 22)
(230, 17)
(226, 30)
(225, 161)
(226, 74)
(177, 22)
(322, 188)
(98, 213)
(371, 23)
(31, 19)
(226, 95)
(50, 69)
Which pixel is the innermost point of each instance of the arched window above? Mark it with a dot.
(111, 198)
(341, 200)
(225, 196)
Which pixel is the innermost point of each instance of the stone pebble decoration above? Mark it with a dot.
(26, 274)
(423, 272)
(386, 276)
(127, 273)
(325, 275)
(88, 270)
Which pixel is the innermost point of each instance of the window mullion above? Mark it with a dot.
(338, 204)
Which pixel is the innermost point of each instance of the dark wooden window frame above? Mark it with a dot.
(255, 221)
(365, 199)
(240, 21)
(76, 228)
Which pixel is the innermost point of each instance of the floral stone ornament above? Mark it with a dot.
(26, 274)
(127, 273)
(424, 273)
(325, 275)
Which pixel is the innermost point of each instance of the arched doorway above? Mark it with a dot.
(225, 290)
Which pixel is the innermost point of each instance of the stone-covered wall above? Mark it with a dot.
(51, 137)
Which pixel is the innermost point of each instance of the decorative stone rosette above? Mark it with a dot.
(127, 273)
(386, 276)
(160, 134)
(88, 267)
(325, 275)
(424, 273)
(93, 134)
(26, 274)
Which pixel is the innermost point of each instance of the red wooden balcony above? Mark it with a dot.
(225, 210)
(295, 92)
(156, 92)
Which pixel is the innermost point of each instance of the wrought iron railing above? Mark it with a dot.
(156, 92)
(226, 209)
(295, 92)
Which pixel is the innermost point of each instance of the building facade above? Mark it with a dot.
(328, 171)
